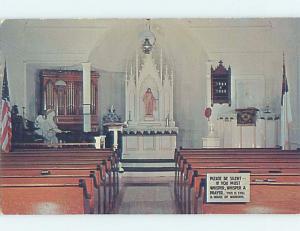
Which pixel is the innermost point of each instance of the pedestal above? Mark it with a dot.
(211, 142)
(115, 128)
(100, 142)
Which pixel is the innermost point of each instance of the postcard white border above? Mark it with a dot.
(145, 9)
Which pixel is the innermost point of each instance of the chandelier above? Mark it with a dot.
(148, 38)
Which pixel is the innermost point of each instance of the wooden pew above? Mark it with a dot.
(244, 163)
(221, 152)
(266, 197)
(230, 150)
(60, 150)
(102, 164)
(38, 155)
(181, 148)
(105, 154)
(232, 165)
(22, 146)
(31, 199)
(37, 161)
(90, 180)
(218, 155)
(180, 158)
(183, 164)
(78, 156)
(190, 162)
(63, 152)
(229, 158)
(238, 155)
(61, 168)
(227, 150)
(53, 171)
(191, 184)
(59, 153)
(48, 159)
(198, 181)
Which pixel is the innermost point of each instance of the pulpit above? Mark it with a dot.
(248, 128)
(116, 129)
(151, 131)
(113, 127)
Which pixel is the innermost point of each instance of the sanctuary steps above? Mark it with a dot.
(148, 167)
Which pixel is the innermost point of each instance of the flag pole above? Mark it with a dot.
(5, 116)
(286, 114)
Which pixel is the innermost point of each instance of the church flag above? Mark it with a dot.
(6, 127)
(286, 113)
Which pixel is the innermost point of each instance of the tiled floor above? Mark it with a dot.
(146, 195)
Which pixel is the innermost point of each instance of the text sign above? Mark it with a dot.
(227, 187)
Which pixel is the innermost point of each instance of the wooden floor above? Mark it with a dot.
(146, 195)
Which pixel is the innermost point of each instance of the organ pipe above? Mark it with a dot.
(67, 100)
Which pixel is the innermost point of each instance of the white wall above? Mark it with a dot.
(252, 47)
(112, 92)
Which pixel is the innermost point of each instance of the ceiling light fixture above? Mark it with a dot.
(148, 38)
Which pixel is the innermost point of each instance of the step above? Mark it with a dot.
(157, 155)
(149, 169)
(148, 164)
(147, 161)
(150, 175)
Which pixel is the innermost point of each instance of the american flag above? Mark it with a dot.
(6, 131)
(286, 113)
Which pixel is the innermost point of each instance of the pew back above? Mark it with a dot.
(44, 199)
(90, 180)
(266, 197)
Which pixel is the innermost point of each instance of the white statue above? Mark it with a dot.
(47, 128)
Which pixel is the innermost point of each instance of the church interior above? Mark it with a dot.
(150, 116)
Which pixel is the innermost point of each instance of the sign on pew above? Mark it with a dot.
(227, 187)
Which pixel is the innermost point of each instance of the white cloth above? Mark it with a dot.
(47, 128)
(285, 122)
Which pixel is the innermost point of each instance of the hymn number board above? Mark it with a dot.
(221, 85)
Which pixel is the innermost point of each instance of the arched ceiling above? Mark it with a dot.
(123, 40)
(109, 43)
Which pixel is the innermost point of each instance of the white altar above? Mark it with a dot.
(151, 131)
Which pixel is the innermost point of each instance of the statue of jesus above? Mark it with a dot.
(149, 102)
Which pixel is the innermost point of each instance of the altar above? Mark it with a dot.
(150, 132)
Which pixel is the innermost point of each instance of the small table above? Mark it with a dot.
(115, 128)
(100, 142)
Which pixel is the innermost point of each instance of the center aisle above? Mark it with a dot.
(146, 195)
